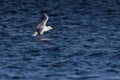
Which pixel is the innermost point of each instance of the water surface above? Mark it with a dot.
(85, 41)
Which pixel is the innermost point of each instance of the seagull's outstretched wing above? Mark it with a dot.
(44, 21)
(35, 33)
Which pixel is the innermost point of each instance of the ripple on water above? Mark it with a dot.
(84, 46)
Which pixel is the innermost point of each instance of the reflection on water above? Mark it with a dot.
(84, 46)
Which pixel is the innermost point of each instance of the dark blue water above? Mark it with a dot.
(85, 41)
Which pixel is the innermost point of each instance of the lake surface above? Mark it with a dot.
(84, 45)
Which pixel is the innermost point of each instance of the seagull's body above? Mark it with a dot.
(41, 28)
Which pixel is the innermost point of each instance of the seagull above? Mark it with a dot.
(41, 28)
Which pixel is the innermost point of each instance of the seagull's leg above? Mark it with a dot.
(41, 36)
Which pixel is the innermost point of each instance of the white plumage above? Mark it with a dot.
(41, 28)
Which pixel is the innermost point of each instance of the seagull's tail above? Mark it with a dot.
(35, 33)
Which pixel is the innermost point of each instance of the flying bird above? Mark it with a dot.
(41, 28)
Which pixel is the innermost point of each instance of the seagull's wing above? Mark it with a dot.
(35, 33)
(44, 21)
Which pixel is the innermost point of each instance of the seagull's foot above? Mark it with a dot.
(41, 36)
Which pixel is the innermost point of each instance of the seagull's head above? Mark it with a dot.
(49, 27)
